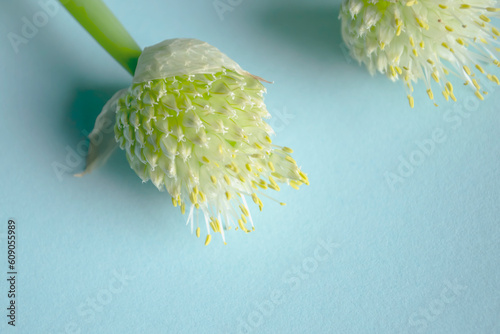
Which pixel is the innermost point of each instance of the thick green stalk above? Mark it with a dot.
(100, 22)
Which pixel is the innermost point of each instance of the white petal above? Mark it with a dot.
(102, 137)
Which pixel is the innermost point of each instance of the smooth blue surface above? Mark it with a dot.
(398, 249)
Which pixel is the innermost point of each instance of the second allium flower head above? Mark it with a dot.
(425, 39)
(193, 123)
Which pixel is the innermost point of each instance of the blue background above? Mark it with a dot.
(399, 246)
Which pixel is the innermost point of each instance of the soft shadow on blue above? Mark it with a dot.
(309, 29)
(82, 110)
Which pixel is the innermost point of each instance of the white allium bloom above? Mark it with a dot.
(424, 39)
(193, 123)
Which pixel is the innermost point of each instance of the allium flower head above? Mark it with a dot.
(193, 123)
(424, 39)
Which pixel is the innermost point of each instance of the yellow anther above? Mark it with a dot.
(233, 167)
(255, 198)
(474, 82)
(277, 175)
(272, 180)
(494, 79)
(244, 210)
(411, 101)
(393, 71)
(484, 18)
(420, 23)
(207, 241)
(430, 93)
(192, 197)
(453, 96)
(214, 179)
(467, 70)
(226, 178)
(446, 95)
(242, 226)
(205, 159)
(449, 86)
(398, 30)
(274, 187)
(228, 195)
(435, 76)
(294, 184)
(197, 232)
(263, 185)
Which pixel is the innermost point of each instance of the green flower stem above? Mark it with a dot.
(100, 22)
